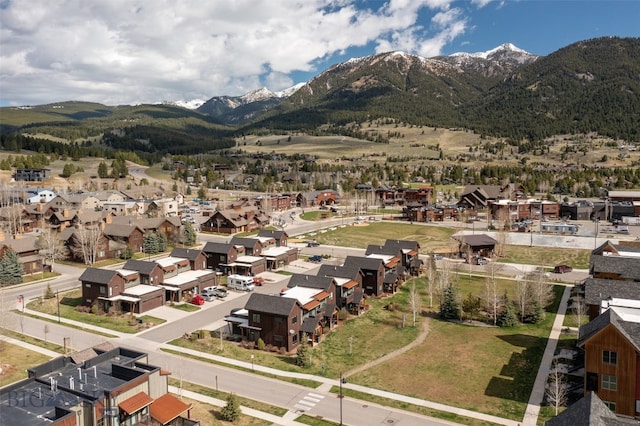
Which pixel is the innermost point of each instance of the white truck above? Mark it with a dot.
(240, 283)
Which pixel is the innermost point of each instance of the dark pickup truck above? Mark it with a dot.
(315, 258)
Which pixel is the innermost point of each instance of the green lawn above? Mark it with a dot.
(124, 322)
(16, 360)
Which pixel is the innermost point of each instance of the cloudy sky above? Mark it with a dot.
(144, 51)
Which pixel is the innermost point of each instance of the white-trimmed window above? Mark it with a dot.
(609, 382)
(610, 405)
(610, 357)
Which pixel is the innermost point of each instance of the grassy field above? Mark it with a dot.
(546, 256)
(485, 369)
(124, 323)
(14, 361)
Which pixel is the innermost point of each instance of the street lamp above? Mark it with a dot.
(58, 300)
(595, 236)
(341, 397)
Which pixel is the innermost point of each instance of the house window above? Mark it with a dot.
(256, 318)
(294, 339)
(277, 338)
(277, 320)
(103, 289)
(87, 285)
(609, 357)
(101, 253)
(294, 320)
(223, 258)
(609, 382)
(610, 405)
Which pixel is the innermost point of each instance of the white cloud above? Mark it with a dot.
(124, 51)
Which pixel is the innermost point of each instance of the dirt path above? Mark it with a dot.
(421, 338)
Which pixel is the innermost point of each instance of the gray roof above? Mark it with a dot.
(185, 253)
(587, 411)
(95, 275)
(114, 230)
(212, 247)
(245, 241)
(598, 289)
(368, 263)
(142, 266)
(272, 233)
(625, 267)
(310, 281)
(309, 325)
(476, 240)
(270, 304)
(630, 330)
(345, 271)
(402, 245)
(22, 245)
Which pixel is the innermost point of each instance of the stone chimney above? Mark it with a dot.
(65, 213)
(39, 207)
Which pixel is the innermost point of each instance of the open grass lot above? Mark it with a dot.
(14, 361)
(547, 256)
(485, 369)
(429, 237)
(124, 323)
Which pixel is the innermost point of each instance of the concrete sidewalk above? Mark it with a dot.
(537, 393)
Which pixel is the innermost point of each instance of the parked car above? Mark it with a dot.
(437, 257)
(217, 291)
(315, 258)
(313, 244)
(197, 300)
(259, 281)
(562, 269)
(240, 282)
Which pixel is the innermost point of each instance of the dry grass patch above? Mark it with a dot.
(15, 361)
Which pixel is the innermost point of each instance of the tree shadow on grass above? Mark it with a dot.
(517, 376)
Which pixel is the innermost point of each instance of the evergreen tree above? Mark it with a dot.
(68, 170)
(508, 316)
(231, 411)
(103, 170)
(303, 358)
(151, 244)
(11, 270)
(450, 306)
(189, 234)
(162, 242)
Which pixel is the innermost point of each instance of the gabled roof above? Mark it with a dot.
(368, 263)
(310, 281)
(597, 289)
(96, 275)
(614, 316)
(402, 245)
(142, 266)
(345, 271)
(589, 410)
(185, 253)
(272, 233)
(244, 241)
(476, 240)
(269, 304)
(113, 230)
(212, 247)
(22, 245)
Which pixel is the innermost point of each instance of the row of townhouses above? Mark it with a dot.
(309, 305)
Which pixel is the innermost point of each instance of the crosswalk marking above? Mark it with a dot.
(308, 402)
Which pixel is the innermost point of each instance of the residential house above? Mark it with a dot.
(39, 195)
(32, 175)
(27, 249)
(611, 345)
(616, 261)
(170, 227)
(103, 385)
(129, 235)
(475, 244)
(318, 311)
(125, 208)
(328, 314)
(83, 201)
(349, 292)
(88, 245)
(219, 254)
(478, 197)
(373, 273)
(277, 257)
(280, 237)
(407, 251)
(180, 281)
(197, 259)
(61, 220)
(98, 285)
(164, 207)
(151, 273)
(252, 246)
(276, 320)
(322, 197)
(235, 220)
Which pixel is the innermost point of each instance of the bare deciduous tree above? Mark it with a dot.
(51, 247)
(415, 302)
(430, 273)
(523, 295)
(87, 244)
(541, 290)
(579, 308)
(557, 390)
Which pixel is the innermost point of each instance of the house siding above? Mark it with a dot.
(625, 370)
